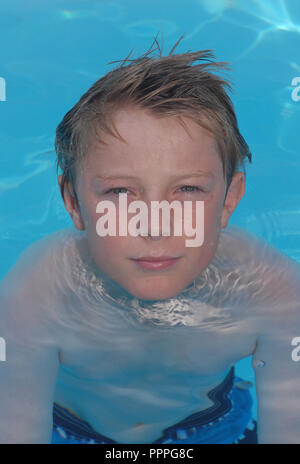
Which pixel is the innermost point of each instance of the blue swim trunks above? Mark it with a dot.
(228, 420)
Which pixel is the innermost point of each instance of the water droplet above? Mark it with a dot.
(260, 363)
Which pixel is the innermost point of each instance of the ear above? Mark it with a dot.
(234, 194)
(71, 204)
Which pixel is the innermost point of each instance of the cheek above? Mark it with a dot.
(109, 248)
(104, 253)
(212, 212)
(212, 223)
(88, 213)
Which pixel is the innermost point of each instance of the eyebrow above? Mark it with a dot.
(209, 175)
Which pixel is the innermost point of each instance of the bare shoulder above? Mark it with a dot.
(242, 245)
(272, 276)
(38, 263)
(32, 290)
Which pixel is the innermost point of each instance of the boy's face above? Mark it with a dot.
(158, 162)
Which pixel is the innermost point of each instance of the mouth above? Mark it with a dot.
(156, 263)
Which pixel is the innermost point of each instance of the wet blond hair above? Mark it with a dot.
(172, 85)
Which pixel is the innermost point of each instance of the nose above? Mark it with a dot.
(153, 238)
(159, 224)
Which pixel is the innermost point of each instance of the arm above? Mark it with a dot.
(278, 381)
(28, 376)
(273, 280)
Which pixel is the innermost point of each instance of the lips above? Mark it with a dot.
(156, 263)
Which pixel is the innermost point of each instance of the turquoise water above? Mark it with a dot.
(52, 51)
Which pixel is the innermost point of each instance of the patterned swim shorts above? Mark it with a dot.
(228, 420)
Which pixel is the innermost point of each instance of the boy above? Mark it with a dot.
(133, 339)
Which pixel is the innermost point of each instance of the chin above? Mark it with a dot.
(155, 292)
(153, 296)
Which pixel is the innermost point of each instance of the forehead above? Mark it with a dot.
(148, 138)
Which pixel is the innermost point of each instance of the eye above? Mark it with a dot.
(117, 190)
(191, 188)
